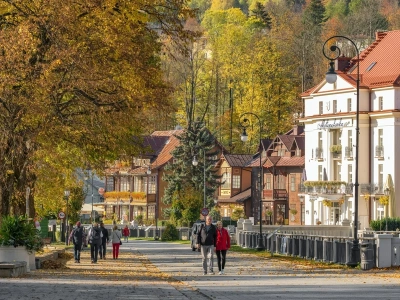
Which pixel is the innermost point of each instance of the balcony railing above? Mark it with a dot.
(326, 187)
(372, 188)
(379, 151)
(319, 153)
(348, 152)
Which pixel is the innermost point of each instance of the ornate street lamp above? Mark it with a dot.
(244, 122)
(301, 208)
(66, 195)
(331, 76)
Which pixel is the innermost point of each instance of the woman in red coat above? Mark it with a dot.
(222, 246)
(125, 233)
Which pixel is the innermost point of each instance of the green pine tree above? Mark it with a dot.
(185, 188)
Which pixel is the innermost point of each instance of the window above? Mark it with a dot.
(226, 181)
(152, 185)
(380, 137)
(137, 184)
(380, 177)
(125, 186)
(350, 173)
(281, 182)
(110, 184)
(321, 107)
(334, 108)
(380, 103)
(320, 175)
(349, 104)
(293, 183)
(151, 212)
(268, 182)
(236, 181)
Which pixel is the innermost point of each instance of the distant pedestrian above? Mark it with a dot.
(104, 240)
(206, 240)
(126, 233)
(94, 239)
(77, 238)
(115, 238)
(222, 246)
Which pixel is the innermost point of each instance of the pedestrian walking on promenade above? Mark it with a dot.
(77, 238)
(104, 240)
(222, 246)
(94, 239)
(126, 233)
(115, 238)
(206, 240)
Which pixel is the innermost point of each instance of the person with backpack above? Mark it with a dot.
(104, 241)
(94, 239)
(206, 240)
(115, 238)
(76, 237)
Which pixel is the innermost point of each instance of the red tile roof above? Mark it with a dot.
(379, 64)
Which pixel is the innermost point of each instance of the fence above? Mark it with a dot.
(319, 248)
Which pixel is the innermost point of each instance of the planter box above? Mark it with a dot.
(12, 254)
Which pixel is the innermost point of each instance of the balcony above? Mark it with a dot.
(379, 152)
(371, 189)
(319, 153)
(348, 152)
(326, 187)
(276, 194)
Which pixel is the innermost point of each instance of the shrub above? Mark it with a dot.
(18, 231)
(170, 233)
(379, 225)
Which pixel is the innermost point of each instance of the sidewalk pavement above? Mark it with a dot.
(157, 270)
(252, 277)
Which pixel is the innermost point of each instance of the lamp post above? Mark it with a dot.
(66, 195)
(301, 208)
(244, 122)
(195, 162)
(387, 193)
(331, 77)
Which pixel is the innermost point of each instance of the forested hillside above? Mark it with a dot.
(259, 56)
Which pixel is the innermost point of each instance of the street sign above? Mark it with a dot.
(61, 215)
(204, 211)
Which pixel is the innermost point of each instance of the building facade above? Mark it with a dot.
(330, 112)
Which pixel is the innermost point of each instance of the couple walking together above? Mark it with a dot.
(212, 238)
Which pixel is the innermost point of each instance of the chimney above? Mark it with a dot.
(342, 63)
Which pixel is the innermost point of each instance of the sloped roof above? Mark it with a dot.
(239, 198)
(271, 161)
(300, 141)
(165, 154)
(294, 161)
(379, 64)
(237, 160)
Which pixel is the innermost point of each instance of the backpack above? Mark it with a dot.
(77, 235)
(96, 235)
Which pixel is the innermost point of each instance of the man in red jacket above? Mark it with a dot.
(222, 246)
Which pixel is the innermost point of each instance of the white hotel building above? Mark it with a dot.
(330, 129)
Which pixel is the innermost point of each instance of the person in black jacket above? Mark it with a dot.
(104, 240)
(94, 239)
(206, 239)
(77, 240)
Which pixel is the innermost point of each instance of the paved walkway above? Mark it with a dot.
(156, 270)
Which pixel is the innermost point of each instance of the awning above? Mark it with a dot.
(239, 198)
(87, 208)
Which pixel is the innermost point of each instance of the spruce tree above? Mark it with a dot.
(185, 188)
